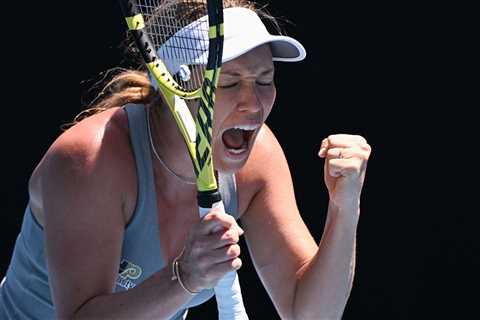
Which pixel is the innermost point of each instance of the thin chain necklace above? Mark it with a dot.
(183, 179)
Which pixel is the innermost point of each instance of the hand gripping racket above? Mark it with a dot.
(181, 43)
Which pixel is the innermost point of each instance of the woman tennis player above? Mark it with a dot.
(113, 203)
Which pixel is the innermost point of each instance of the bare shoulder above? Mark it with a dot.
(266, 164)
(91, 157)
(82, 188)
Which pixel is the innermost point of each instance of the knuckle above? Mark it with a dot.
(324, 142)
(231, 219)
(236, 263)
(237, 249)
(230, 236)
(365, 156)
(360, 139)
(209, 217)
(235, 237)
(214, 215)
(366, 147)
(233, 250)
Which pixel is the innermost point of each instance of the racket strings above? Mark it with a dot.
(169, 26)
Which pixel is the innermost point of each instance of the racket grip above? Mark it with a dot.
(229, 298)
(227, 291)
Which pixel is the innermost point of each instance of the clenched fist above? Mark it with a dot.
(346, 158)
(211, 251)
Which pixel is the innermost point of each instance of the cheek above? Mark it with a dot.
(268, 98)
(221, 112)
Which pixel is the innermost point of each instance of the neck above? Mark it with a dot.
(174, 163)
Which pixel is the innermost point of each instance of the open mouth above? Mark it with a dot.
(237, 139)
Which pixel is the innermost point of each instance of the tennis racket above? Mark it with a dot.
(181, 43)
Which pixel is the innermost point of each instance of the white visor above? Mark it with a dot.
(244, 31)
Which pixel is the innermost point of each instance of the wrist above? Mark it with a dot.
(345, 210)
(179, 276)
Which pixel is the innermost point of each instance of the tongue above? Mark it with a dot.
(233, 138)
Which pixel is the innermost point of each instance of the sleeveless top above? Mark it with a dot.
(25, 291)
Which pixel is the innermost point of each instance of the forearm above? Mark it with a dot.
(324, 284)
(158, 297)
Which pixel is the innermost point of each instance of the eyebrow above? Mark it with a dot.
(234, 73)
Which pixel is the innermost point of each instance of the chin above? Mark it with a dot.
(228, 161)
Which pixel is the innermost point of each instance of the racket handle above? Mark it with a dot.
(227, 291)
(229, 298)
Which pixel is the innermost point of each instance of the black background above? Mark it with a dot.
(381, 70)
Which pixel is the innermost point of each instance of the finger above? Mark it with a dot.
(225, 253)
(225, 259)
(346, 140)
(216, 221)
(336, 153)
(220, 269)
(323, 148)
(347, 153)
(223, 238)
(219, 239)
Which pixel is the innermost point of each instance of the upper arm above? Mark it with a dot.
(278, 239)
(84, 224)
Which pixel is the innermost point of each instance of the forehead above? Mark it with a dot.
(257, 59)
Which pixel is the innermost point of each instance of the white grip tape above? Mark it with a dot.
(227, 291)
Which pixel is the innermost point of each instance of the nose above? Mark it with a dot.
(249, 99)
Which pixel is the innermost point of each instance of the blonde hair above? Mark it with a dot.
(133, 86)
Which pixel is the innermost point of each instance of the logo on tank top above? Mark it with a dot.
(127, 273)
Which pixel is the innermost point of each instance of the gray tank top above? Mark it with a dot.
(25, 291)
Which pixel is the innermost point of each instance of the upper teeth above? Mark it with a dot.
(247, 126)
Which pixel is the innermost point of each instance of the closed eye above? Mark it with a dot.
(226, 86)
(265, 83)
